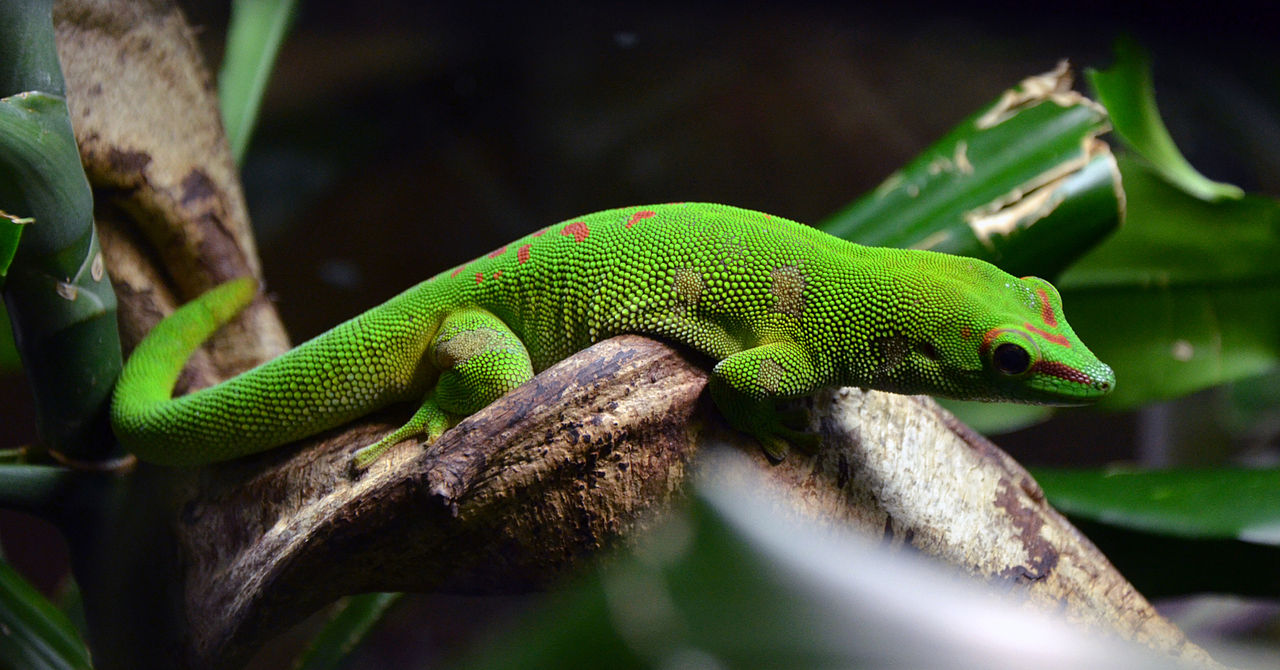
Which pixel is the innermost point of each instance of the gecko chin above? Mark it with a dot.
(1055, 383)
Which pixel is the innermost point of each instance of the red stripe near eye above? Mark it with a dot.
(1056, 339)
(989, 337)
(1061, 371)
(1046, 310)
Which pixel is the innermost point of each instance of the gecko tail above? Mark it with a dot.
(147, 380)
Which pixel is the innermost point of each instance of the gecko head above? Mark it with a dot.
(1027, 352)
(969, 330)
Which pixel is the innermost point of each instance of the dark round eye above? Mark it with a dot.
(1011, 359)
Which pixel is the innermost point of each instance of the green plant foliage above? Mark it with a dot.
(355, 616)
(9, 362)
(257, 30)
(1184, 296)
(1128, 93)
(35, 635)
(1223, 503)
(1023, 184)
(10, 233)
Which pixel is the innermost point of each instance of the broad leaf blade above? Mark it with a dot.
(10, 233)
(1127, 91)
(1185, 296)
(1024, 184)
(253, 41)
(1224, 503)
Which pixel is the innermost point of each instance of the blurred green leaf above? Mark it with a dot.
(1184, 296)
(257, 30)
(1023, 184)
(34, 635)
(1127, 91)
(736, 581)
(1224, 503)
(355, 617)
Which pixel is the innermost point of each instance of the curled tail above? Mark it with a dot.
(143, 394)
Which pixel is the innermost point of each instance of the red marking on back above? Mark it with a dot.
(1056, 339)
(522, 254)
(1061, 371)
(1046, 310)
(497, 273)
(479, 277)
(457, 271)
(497, 252)
(540, 233)
(638, 216)
(577, 230)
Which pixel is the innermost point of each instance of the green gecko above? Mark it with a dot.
(785, 310)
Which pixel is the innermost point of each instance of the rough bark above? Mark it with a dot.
(577, 459)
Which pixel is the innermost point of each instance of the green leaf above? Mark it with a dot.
(1128, 93)
(1225, 503)
(58, 296)
(9, 361)
(35, 635)
(10, 232)
(1184, 296)
(1024, 184)
(355, 617)
(253, 41)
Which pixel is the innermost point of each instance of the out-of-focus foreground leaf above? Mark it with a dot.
(35, 635)
(732, 583)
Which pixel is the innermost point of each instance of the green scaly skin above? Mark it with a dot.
(784, 308)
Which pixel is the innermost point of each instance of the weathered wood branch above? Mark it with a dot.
(581, 458)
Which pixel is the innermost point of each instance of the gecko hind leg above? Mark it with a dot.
(429, 420)
(480, 360)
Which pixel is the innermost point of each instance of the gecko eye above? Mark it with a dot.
(1011, 359)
